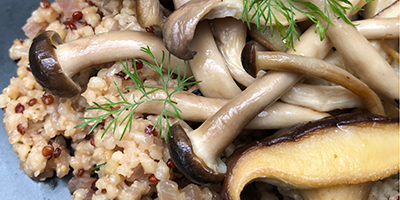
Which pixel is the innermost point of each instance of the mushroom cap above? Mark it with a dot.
(46, 68)
(193, 167)
(338, 150)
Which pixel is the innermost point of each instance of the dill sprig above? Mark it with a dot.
(124, 105)
(264, 9)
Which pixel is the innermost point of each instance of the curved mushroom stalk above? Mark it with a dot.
(322, 98)
(195, 154)
(209, 67)
(198, 109)
(321, 69)
(53, 62)
(363, 58)
(230, 37)
(320, 158)
(355, 191)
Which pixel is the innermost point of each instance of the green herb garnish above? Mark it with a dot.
(131, 107)
(97, 167)
(263, 9)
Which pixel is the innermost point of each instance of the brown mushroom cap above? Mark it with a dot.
(334, 151)
(46, 69)
(187, 162)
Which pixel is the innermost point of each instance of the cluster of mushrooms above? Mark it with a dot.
(330, 157)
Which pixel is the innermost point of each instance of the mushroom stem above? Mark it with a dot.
(358, 53)
(195, 153)
(198, 109)
(209, 67)
(378, 28)
(322, 98)
(230, 36)
(351, 192)
(102, 48)
(54, 63)
(321, 69)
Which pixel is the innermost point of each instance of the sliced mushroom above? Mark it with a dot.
(209, 67)
(369, 66)
(53, 62)
(322, 98)
(321, 69)
(335, 157)
(230, 37)
(198, 109)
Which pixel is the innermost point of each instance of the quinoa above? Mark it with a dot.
(41, 127)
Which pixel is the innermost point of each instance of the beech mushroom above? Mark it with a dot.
(332, 158)
(381, 8)
(230, 37)
(322, 98)
(378, 28)
(198, 109)
(321, 69)
(209, 67)
(363, 58)
(54, 63)
(179, 27)
(150, 13)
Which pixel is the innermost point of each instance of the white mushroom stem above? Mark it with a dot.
(322, 98)
(198, 109)
(370, 67)
(378, 28)
(230, 37)
(209, 67)
(321, 69)
(76, 55)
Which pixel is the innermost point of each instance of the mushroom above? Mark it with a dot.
(209, 67)
(322, 98)
(321, 69)
(178, 30)
(332, 158)
(54, 63)
(195, 154)
(378, 28)
(363, 58)
(230, 37)
(381, 8)
(150, 13)
(198, 109)
(270, 41)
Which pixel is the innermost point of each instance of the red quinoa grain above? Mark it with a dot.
(150, 130)
(19, 108)
(80, 172)
(139, 64)
(21, 129)
(152, 178)
(57, 152)
(47, 151)
(47, 99)
(45, 4)
(78, 15)
(32, 102)
(171, 164)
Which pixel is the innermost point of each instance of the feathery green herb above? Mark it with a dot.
(124, 105)
(264, 9)
(97, 167)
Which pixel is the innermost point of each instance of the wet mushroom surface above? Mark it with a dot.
(155, 100)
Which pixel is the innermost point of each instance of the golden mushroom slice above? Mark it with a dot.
(332, 158)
